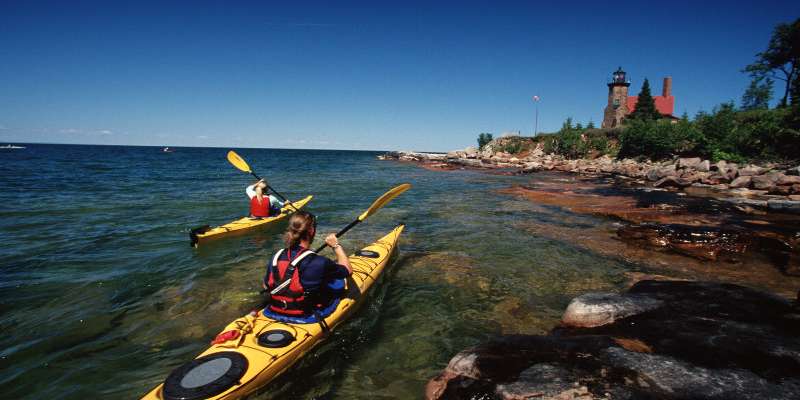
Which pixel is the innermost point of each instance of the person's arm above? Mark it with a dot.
(251, 190)
(276, 201)
(341, 256)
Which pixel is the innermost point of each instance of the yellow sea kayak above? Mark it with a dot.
(204, 233)
(252, 350)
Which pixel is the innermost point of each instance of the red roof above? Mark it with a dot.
(664, 105)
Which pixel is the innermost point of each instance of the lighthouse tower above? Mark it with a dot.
(617, 107)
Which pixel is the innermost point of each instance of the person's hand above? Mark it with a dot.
(332, 241)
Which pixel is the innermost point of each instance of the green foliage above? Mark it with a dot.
(758, 94)
(645, 105)
(512, 144)
(575, 141)
(483, 140)
(656, 139)
(718, 155)
(724, 134)
(590, 125)
(781, 60)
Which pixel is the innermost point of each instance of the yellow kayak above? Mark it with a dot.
(205, 232)
(252, 350)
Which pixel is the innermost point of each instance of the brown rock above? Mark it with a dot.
(721, 166)
(767, 181)
(788, 180)
(741, 182)
(689, 162)
(751, 170)
(672, 181)
(781, 190)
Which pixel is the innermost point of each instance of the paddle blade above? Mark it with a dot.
(238, 162)
(383, 200)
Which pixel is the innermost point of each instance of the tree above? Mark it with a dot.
(590, 125)
(645, 105)
(567, 125)
(579, 126)
(483, 140)
(758, 94)
(781, 60)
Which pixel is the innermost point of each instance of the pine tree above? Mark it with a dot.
(758, 94)
(567, 125)
(590, 125)
(645, 105)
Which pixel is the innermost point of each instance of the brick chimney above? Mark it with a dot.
(667, 90)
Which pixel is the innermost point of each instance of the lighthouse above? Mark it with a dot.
(617, 107)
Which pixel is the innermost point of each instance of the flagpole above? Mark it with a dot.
(536, 124)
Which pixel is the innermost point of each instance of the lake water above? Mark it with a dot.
(101, 295)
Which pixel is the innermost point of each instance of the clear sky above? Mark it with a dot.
(355, 75)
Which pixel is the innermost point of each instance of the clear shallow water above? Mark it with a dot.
(101, 295)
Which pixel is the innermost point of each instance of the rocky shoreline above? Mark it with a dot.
(770, 187)
(659, 340)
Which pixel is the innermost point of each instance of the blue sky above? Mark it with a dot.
(354, 75)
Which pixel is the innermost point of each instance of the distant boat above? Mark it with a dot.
(167, 150)
(11, 146)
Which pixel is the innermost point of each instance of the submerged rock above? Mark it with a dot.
(703, 341)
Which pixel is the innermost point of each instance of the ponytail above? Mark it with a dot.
(300, 225)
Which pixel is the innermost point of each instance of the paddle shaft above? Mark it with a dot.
(339, 234)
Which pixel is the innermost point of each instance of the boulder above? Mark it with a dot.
(766, 181)
(693, 340)
(721, 167)
(597, 309)
(532, 166)
(715, 179)
(788, 180)
(741, 182)
(703, 166)
(657, 173)
(787, 206)
(751, 170)
(672, 181)
(454, 154)
(689, 162)
(780, 190)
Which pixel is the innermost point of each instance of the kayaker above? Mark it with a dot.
(262, 206)
(310, 273)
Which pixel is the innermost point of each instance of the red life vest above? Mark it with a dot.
(293, 299)
(259, 209)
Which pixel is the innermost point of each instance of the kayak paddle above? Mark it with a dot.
(241, 165)
(376, 205)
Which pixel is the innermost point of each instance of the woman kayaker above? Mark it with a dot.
(310, 274)
(262, 206)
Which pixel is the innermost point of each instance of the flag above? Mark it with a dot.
(535, 98)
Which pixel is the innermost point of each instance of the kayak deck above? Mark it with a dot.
(254, 364)
(202, 234)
